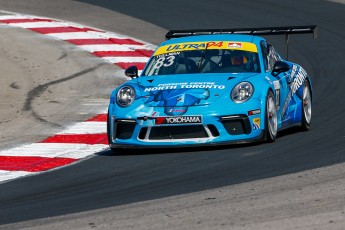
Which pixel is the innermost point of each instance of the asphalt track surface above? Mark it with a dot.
(307, 165)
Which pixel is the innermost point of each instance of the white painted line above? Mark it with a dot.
(86, 35)
(94, 48)
(9, 17)
(75, 151)
(28, 25)
(125, 59)
(86, 128)
(108, 34)
(104, 111)
(75, 35)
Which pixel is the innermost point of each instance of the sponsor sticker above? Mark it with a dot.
(298, 80)
(254, 112)
(185, 46)
(277, 89)
(256, 123)
(236, 45)
(178, 120)
(177, 110)
(184, 85)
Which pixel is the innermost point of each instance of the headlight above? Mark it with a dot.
(125, 96)
(242, 92)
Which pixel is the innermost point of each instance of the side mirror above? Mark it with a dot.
(280, 67)
(132, 72)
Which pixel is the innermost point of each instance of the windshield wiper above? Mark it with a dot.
(202, 58)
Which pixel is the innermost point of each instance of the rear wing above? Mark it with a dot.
(284, 30)
(249, 31)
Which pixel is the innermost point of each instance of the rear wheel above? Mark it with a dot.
(271, 119)
(306, 106)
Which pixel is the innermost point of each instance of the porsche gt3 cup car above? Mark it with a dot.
(228, 86)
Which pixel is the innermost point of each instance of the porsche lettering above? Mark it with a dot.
(177, 110)
(298, 80)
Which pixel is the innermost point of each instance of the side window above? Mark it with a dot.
(264, 50)
(272, 57)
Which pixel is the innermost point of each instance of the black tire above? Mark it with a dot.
(306, 106)
(271, 119)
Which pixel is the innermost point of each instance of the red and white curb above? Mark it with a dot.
(83, 139)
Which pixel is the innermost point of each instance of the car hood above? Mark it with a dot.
(187, 89)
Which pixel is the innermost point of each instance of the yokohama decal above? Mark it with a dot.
(179, 120)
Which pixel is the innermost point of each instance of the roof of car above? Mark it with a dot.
(215, 37)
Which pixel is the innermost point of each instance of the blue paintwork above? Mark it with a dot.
(211, 103)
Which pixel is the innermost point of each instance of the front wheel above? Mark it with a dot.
(271, 119)
(306, 107)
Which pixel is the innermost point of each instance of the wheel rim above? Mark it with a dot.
(272, 117)
(307, 103)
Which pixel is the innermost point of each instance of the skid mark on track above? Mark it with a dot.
(39, 90)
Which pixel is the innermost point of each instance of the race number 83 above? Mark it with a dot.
(164, 61)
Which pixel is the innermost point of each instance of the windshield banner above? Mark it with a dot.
(246, 46)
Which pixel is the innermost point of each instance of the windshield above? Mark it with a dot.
(204, 58)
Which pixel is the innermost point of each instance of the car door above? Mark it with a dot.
(281, 82)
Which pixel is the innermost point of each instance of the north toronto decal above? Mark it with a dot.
(184, 85)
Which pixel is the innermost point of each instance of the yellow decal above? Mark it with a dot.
(256, 123)
(246, 46)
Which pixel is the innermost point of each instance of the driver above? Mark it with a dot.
(238, 59)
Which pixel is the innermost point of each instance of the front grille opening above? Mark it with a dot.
(213, 130)
(124, 130)
(142, 133)
(177, 132)
(237, 126)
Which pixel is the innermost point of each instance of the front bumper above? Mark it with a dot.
(215, 129)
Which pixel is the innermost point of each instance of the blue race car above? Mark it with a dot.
(203, 87)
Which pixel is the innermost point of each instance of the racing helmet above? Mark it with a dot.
(238, 58)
